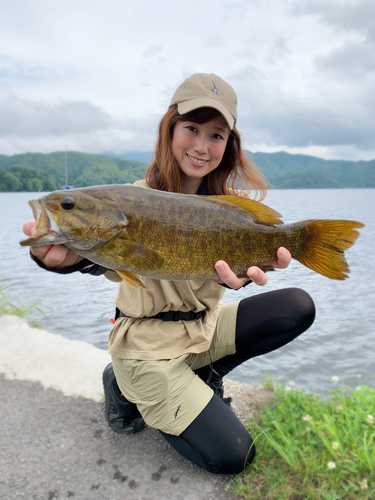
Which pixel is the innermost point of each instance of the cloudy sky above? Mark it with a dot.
(97, 75)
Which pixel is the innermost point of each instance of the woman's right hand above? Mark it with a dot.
(52, 256)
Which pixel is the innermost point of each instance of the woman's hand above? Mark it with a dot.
(52, 256)
(256, 275)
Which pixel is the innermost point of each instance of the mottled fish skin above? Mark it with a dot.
(175, 236)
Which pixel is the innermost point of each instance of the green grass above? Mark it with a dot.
(12, 306)
(310, 447)
(269, 382)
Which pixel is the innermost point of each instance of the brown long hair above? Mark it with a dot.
(234, 171)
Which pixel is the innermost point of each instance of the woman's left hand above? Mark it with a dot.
(256, 275)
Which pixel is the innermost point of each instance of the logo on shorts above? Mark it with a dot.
(178, 409)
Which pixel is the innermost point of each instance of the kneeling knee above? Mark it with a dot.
(307, 308)
(233, 463)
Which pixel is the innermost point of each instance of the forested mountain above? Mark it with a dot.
(46, 172)
(23, 179)
(286, 171)
(83, 170)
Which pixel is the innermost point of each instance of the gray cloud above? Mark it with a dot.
(352, 60)
(332, 104)
(32, 118)
(358, 16)
(279, 50)
(302, 69)
(15, 71)
(327, 117)
(152, 50)
(297, 124)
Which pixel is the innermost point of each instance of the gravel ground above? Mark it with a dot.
(56, 444)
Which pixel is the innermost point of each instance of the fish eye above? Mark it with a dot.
(67, 203)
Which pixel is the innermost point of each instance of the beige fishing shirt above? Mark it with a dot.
(136, 337)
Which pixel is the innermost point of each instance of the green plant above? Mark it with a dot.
(313, 448)
(269, 382)
(10, 305)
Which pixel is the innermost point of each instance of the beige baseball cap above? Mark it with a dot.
(207, 90)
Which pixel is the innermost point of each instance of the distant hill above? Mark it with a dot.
(143, 157)
(83, 169)
(283, 170)
(287, 171)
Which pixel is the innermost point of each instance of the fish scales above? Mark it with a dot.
(140, 231)
(171, 229)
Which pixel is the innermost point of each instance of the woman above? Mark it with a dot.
(174, 341)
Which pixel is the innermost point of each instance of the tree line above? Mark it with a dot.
(22, 179)
(46, 172)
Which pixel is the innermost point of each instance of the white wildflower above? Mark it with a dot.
(364, 485)
(291, 383)
(335, 380)
(338, 409)
(370, 419)
(288, 390)
(335, 445)
(331, 465)
(307, 418)
(359, 388)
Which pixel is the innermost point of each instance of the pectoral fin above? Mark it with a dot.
(131, 278)
(138, 257)
(123, 254)
(141, 257)
(129, 259)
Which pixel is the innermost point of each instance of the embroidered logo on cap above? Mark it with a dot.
(214, 89)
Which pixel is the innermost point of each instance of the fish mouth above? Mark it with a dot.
(47, 231)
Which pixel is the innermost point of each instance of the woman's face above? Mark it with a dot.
(199, 148)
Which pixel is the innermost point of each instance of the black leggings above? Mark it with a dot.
(216, 440)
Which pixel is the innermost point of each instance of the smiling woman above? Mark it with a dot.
(235, 168)
(173, 340)
(199, 149)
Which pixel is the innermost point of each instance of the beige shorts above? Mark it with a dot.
(167, 393)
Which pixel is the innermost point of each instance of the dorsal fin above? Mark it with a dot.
(262, 213)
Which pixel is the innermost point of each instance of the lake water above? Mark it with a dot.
(340, 343)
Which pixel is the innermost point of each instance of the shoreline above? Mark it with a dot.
(32, 354)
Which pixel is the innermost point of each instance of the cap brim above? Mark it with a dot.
(187, 106)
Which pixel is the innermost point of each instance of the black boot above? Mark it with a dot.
(122, 416)
(216, 386)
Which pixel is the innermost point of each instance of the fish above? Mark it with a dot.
(141, 232)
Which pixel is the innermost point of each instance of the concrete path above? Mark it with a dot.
(55, 442)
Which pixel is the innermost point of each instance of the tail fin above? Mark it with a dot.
(326, 242)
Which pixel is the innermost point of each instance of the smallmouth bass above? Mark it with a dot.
(138, 231)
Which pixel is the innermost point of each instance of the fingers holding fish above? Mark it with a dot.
(29, 228)
(283, 259)
(229, 278)
(52, 256)
(257, 276)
